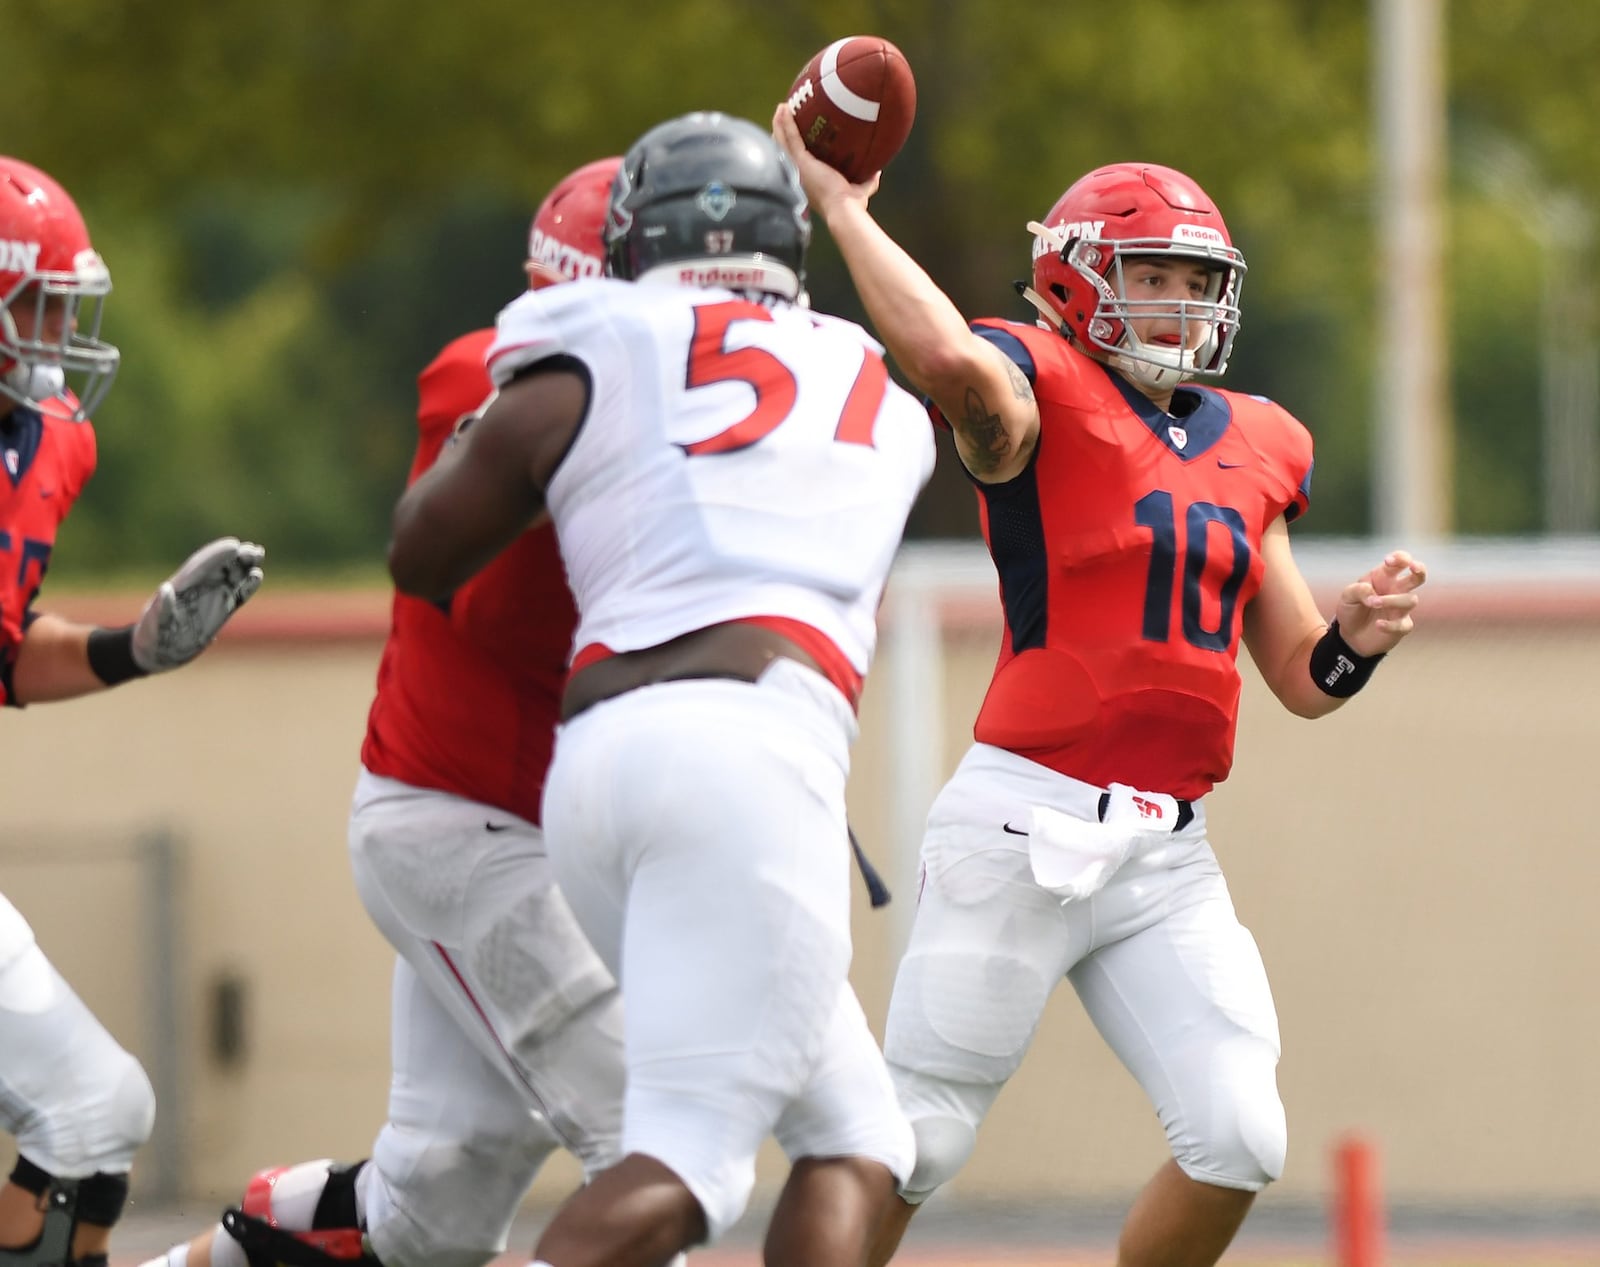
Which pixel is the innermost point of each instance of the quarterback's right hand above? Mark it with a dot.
(185, 614)
(825, 187)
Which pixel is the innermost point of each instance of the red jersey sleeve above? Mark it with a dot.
(1294, 450)
(1305, 463)
(453, 386)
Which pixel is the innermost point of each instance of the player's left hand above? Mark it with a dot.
(185, 614)
(1375, 612)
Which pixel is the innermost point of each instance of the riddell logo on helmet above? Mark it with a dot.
(558, 257)
(18, 257)
(1198, 233)
(721, 275)
(1061, 234)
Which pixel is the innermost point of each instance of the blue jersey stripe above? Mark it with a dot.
(1014, 348)
(1016, 543)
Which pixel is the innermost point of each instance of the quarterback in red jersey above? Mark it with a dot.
(78, 1105)
(506, 1027)
(1138, 524)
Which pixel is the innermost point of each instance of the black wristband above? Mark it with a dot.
(1337, 668)
(111, 655)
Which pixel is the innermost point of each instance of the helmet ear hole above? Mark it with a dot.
(1059, 291)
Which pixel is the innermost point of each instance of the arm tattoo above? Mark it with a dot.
(985, 438)
(984, 433)
(1020, 386)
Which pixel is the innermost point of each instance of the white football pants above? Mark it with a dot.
(73, 1099)
(698, 830)
(506, 1032)
(1170, 978)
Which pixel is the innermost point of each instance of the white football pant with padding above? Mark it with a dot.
(73, 1099)
(506, 1028)
(698, 830)
(1170, 978)
(460, 1148)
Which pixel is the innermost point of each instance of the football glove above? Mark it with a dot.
(189, 609)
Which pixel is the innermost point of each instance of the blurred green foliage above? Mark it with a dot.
(300, 202)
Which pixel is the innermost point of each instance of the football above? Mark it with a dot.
(854, 103)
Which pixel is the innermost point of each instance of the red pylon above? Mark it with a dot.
(1357, 1213)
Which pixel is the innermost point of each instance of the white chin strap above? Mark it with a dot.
(36, 383)
(1155, 377)
(1049, 318)
(1158, 368)
(1162, 368)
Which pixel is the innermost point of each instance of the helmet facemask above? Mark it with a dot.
(1074, 272)
(64, 348)
(1155, 365)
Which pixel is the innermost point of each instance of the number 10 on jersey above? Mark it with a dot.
(1155, 511)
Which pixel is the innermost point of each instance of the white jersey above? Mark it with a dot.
(735, 461)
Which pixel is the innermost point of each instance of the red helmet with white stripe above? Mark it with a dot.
(52, 285)
(566, 239)
(1130, 211)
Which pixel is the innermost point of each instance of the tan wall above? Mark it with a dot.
(249, 757)
(1421, 872)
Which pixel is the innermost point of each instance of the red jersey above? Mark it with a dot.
(1127, 552)
(47, 459)
(469, 691)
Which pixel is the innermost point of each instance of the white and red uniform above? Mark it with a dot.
(736, 463)
(1071, 842)
(506, 1030)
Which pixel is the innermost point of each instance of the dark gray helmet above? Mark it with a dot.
(709, 200)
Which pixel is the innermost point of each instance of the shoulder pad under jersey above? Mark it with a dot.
(554, 321)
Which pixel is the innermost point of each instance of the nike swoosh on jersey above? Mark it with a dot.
(497, 827)
(1015, 831)
(1229, 466)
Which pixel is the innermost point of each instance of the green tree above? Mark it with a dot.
(300, 202)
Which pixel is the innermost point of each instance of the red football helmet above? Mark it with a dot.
(1126, 211)
(565, 241)
(52, 288)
